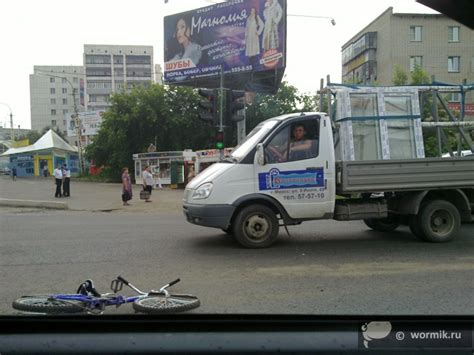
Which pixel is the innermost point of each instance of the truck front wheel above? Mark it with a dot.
(438, 221)
(256, 226)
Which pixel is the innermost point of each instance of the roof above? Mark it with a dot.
(50, 140)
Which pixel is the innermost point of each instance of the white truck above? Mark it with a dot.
(262, 186)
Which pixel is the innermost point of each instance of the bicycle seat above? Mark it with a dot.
(87, 289)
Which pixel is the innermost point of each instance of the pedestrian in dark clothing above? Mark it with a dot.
(58, 177)
(66, 181)
(14, 173)
(127, 192)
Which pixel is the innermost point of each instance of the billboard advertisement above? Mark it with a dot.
(239, 36)
(90, 121)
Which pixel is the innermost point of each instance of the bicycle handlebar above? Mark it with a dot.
(174, 282)
(120, 278)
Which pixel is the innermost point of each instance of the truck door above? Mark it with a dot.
(296, 172)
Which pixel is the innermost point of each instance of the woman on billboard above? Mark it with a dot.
(272, 14)
(253, 30)
(182, 45)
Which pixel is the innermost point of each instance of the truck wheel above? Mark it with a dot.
(382, 225)
(439, 221)
(256, 226)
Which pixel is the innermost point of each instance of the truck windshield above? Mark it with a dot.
(252, 139)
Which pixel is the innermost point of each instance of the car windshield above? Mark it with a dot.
(130, 158)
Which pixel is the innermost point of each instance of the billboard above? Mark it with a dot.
(244, 38)
(90, 120)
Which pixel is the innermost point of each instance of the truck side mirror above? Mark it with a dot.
(260, 154)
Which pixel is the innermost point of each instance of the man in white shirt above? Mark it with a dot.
(58, 176)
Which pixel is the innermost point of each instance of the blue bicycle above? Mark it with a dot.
(89, 300)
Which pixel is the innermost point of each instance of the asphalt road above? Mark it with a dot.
(325, 267)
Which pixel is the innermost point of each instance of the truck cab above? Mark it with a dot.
(283, 171)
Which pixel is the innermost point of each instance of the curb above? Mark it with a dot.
(36, 204)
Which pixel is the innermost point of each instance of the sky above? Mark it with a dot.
(53, 32)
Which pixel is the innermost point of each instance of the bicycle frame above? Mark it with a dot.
(95, 303)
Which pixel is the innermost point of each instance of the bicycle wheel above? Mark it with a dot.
(162, 304)
(46, 304)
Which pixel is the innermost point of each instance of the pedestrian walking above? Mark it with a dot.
(66, 181)
(58, 178)
(45, 171)
(148, 182)
(14, 173)
(126, 187)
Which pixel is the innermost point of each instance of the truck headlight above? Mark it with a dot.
(202, 191)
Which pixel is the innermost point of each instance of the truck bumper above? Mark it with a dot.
(216, 216)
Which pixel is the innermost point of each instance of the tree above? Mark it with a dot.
(161, 114)
(419, 76)
(399, 76)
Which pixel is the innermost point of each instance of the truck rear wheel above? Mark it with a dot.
(382, 225)
(256, 226)
(438, 221)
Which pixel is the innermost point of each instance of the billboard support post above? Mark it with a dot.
(221, 109)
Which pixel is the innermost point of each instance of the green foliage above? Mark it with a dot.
(32, 136)
(287, 100)
(399, 76)
(419, 76)
(167, 115)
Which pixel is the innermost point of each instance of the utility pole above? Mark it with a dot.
(12, 135)
(78, 126)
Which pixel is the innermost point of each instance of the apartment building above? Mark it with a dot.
(53, 92)
(441, 46)
(114, 68)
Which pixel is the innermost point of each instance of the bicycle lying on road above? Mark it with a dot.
(89, 300)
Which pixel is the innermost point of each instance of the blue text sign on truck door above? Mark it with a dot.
(276, 179)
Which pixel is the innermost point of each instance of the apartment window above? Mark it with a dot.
(64, 122)
(64, 101)
(52, 91)
(416, 61)
(53, 101)
(51, 80)
(455, 97)
(453, 34)
(415, 33)
(64, 90)
(53, 123)
(63, 80)
(65, 111)
(75, 80)
(453, 64)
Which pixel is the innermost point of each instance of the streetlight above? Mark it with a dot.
(333, 22)
(11, 121)
(77, 120)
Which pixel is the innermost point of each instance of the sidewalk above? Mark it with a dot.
(91, 196)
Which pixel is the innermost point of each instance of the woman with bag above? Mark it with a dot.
(148, 184)
(126, 187)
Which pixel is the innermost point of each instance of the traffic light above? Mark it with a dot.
(220, 140)
(208, 105)
(235, 103)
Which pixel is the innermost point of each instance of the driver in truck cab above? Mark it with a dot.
(300, 146)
